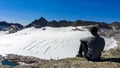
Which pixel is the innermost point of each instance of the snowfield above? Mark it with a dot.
(47, 42)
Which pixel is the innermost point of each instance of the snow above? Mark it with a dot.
(51, 43)
(2, 33)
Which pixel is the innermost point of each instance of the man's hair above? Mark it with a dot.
(93, 30)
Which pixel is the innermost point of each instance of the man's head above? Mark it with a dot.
(93, 30)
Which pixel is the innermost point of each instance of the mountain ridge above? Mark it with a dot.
(42, 22)
(105, 29)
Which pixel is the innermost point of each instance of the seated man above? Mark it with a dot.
(92, 46)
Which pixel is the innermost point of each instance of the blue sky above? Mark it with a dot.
(25, 11)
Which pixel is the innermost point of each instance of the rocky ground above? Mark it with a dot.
(110, 59)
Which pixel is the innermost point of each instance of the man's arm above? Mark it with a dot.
(87, 39)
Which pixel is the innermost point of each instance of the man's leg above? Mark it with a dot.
(80, 51)
(83, 48)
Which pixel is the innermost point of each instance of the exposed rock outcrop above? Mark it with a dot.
(11, 27)
(3, 26)
(61, 23)
(42, 22)
(109, 60)
(115, 26)
(14, 28)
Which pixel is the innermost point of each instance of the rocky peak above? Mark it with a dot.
(41, 22)
(42, 19)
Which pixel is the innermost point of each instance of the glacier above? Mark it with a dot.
(47, 42)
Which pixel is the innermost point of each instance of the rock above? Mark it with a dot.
(26, 66)
(103, 26)
(42, 22)
(14, 28)
(25, 59)
(115, 26)
(1, 57)
(3, 26)
(109, 60)
(11, 27)
(5, 66)
(77, 29)
(61, 23)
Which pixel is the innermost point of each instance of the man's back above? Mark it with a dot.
(95, 46)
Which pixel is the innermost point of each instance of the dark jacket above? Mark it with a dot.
(95, 45)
